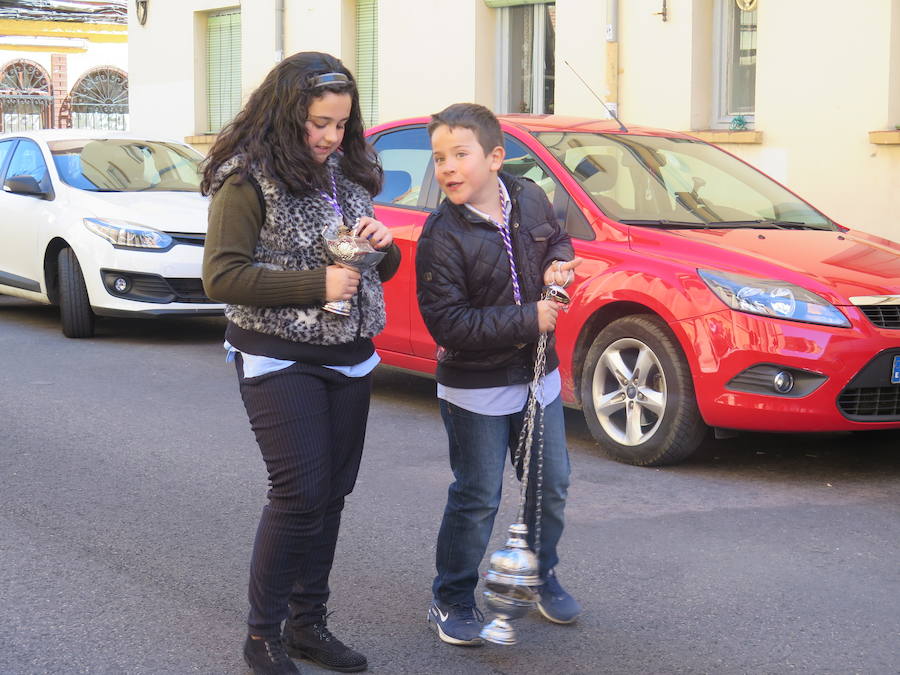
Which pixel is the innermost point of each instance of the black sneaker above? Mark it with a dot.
(267, 656)
(457, 624)
(316, 643)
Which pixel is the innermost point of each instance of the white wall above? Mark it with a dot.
(655, 63)
(315, 26)
(580, 40)
(433, 53)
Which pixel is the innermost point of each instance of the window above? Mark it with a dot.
(648, 179)
(405, 157)
(118, 165)
(223, 68)
(527, 58)
(735, 62)
(100, 100)
(27, 161)
(24, 97)
(5, 147)
(367, 59)
(520, 161)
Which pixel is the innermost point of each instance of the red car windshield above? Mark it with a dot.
(676, 182)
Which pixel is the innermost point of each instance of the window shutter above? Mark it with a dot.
(223, 68)
(513, 3)
(367, 59)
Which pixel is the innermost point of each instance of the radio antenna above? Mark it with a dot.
(605, 107)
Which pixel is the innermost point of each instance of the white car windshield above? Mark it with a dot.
(675, 182)
(126, 165)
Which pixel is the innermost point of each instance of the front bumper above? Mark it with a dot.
(850, 392)
(158, 282)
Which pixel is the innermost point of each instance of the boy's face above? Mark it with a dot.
(464, 172)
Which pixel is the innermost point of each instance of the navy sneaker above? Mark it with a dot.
(556, 604)
(457, 624)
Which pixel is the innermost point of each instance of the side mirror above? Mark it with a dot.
(25, 185)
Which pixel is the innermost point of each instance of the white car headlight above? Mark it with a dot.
(771, 297)
(124, 234)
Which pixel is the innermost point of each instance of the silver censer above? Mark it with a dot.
(513, 576)
(347, 249)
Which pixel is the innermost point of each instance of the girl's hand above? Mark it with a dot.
(561, 273)
(341, 283)
(378, 233)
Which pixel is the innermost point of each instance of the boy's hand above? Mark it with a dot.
(547, 311)
(378, 233)
(341, 283)
(561, 273)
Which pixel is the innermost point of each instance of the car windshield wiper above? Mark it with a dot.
(662, 222)
(759, 223)
(768, 223)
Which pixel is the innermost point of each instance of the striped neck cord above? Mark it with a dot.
(503, 227)
(332, 198)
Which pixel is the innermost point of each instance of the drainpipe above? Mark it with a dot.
(279, 30)
(612, 55)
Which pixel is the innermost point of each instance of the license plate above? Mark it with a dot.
(895, 373)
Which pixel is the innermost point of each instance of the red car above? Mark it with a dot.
(710, 296)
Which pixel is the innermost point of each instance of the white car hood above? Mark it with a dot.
(166, 211)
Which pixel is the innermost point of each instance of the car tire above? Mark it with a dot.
(638, 395)
(74, 304)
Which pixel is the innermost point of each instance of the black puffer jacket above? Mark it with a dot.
(465, 290)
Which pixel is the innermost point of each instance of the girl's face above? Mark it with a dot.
(326, 118)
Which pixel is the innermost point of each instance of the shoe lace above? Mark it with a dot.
(320, 628)
(276, 651)
(467, 612)
(551, 585)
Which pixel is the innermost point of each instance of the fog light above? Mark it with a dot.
(783, 382)
(121, 284)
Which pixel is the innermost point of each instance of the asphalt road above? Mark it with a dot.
(130, 486)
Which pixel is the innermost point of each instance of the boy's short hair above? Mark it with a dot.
(474, 117)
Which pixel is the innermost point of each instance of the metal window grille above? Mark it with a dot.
(223, 68)
(367, 59)
(100, 101)
(24, 97)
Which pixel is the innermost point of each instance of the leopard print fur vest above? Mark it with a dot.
(291, 239)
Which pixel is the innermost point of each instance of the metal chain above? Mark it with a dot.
(524, 447)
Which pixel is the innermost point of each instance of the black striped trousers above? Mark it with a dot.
(310, 424)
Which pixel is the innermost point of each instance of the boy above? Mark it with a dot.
(481, 262)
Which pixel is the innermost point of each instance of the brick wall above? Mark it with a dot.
(59, 85)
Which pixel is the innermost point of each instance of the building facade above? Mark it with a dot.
(63, 64)
(807, 90)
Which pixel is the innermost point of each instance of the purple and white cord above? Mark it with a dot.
(507, 242)
(332, 198)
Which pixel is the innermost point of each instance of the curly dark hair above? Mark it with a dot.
(270, 130)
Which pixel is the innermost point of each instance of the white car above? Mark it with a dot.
(102, 224)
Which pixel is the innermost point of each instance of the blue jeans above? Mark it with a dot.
(479, 448)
